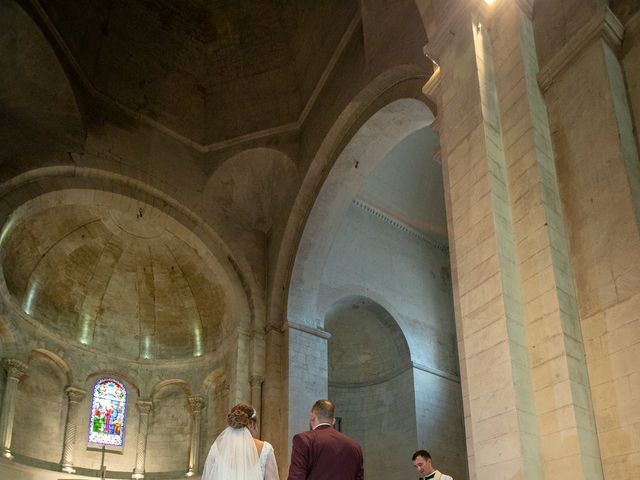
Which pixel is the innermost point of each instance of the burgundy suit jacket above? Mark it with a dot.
(325, 454)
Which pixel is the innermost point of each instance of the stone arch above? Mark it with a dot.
(359, 158)
(29, 185)
(41, 406)
(46, 100)
(369, 363)
(182, 384)
(8, 331)
(131, 384)
(170, 426)
(252, 186)
(216, 391)
(56, 359)
(404, 81)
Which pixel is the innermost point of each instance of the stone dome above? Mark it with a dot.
(122, 281)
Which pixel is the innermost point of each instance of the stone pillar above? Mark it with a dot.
(556, 347)
(144, 408)
(596, 157)
(496, 378)
(195, 404)
(256, 378)
(16, 370)
(308, 373)
(75, 396)
(238, 366)
(256, 398)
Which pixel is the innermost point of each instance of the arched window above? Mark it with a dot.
(108, 408)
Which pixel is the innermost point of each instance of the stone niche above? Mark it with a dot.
(124, 292)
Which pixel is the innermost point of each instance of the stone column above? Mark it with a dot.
(256, 398)
(16, 370)
(75, 396)
(308, 373)
(596, 157)
(196, 404)
(144, 408)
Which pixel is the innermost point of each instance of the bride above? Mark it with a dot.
(236, 455)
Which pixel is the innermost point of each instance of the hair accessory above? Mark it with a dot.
(253, 415)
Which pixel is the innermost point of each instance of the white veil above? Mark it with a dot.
(233, 456)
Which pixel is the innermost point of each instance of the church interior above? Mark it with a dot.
(426, 211)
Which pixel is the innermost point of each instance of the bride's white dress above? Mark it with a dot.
(233, 456)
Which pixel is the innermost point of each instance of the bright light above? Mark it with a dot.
(488, 2)
(27, 305)
(197, 340)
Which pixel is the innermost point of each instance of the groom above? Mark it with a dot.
(323, 453)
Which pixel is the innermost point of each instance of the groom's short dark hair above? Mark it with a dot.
(324, 409)
(421, 453)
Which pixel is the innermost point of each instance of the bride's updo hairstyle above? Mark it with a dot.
(242, 415)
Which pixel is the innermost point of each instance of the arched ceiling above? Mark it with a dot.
(366, 343)
(407, 185)
(209, 70)
(37, 104)
(120, 281)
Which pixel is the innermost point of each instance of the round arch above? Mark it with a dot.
(400, 82)
(30, 185)
(360, 157)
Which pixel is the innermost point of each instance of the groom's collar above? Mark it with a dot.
(322, 426)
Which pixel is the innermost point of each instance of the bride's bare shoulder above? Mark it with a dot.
(259, 445)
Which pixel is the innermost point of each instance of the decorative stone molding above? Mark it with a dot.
(144, 407)
(385, 377)
(435, 371)
(256, 380)
(602, 25)
(307, 329)
(196, 404)
(15, 368)
(74, 396)
(432, 87)
(399, 224)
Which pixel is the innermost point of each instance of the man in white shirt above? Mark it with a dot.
(424, 467)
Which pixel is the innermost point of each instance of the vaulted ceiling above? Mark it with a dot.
(208, 70)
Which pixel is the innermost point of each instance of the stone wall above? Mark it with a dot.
(382, 418)
(41, 412)
(407, 275)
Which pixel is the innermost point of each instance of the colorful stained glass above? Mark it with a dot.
(108, 408)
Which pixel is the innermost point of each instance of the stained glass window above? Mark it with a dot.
(108, 408)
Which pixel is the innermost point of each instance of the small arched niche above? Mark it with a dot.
(369, 364)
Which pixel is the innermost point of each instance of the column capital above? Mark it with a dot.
(15, 368)
(256, 380)
(144, 406)
(196, 403)
(75, 394)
